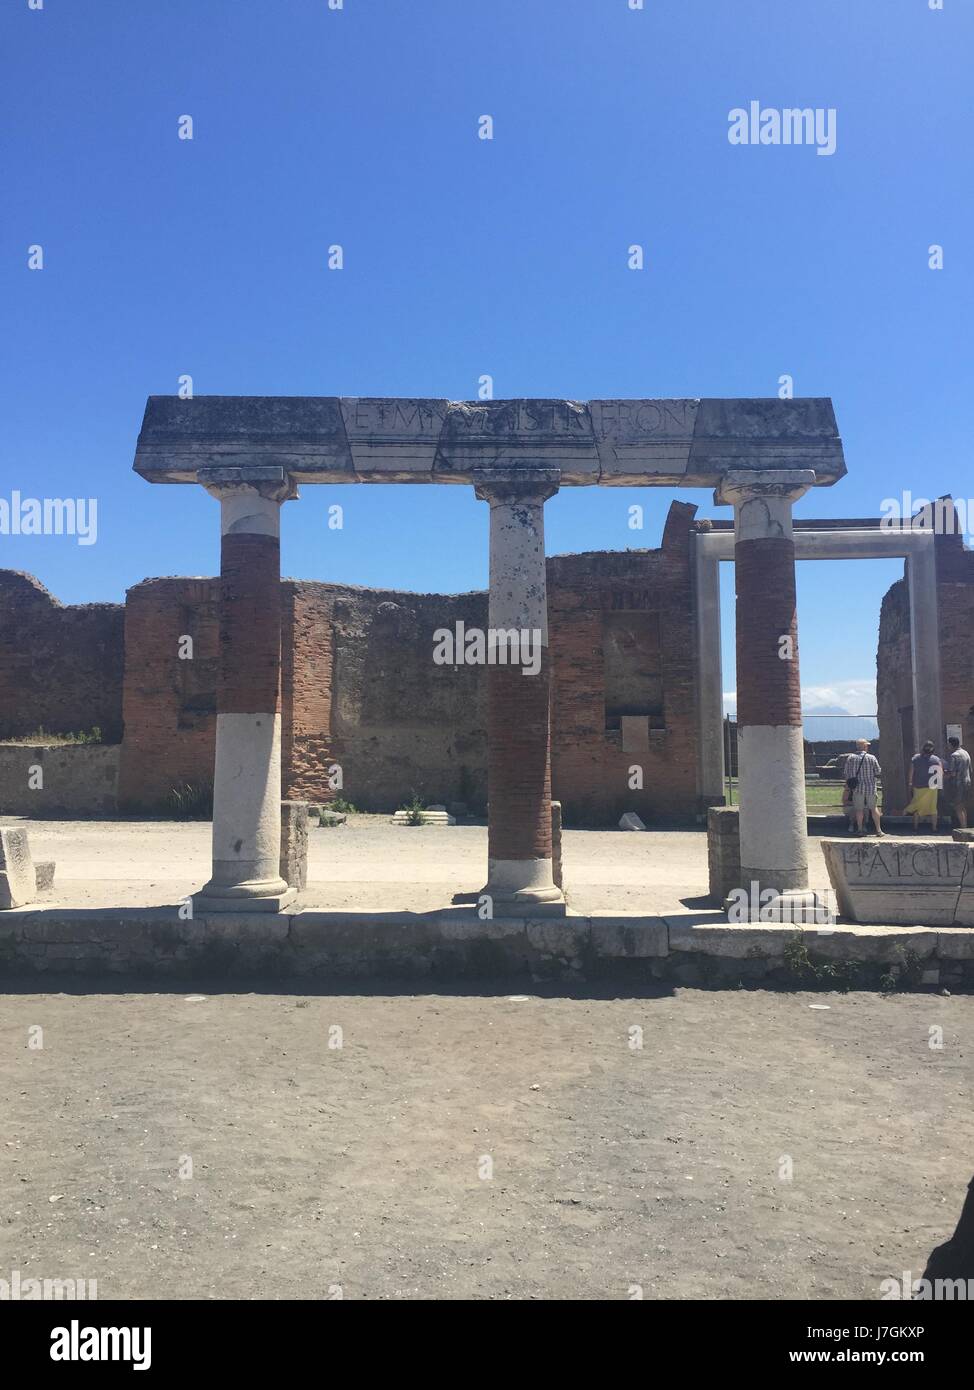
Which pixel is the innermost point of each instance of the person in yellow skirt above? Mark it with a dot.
(926, 780)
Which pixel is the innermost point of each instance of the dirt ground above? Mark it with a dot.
(479, 1146)
(371, 864)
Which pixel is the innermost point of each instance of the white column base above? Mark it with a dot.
(246, 815)
(524, 888)
(255, 899)
(800, 908)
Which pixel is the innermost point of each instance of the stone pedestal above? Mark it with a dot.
(520, 877)
(247, 778)
(723, 852)
(294, 844)
(556, 873)
(772, 815)
(912, 881)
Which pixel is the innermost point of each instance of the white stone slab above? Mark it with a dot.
(18, 882)
(925, 882)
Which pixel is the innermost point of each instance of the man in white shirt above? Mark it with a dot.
(862, 778)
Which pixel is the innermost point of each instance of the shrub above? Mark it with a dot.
(190, 801)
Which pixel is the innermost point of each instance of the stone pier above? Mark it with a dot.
(774, 850)
(247, 775)
(520, 879)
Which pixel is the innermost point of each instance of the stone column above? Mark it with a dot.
(519, 854)
(773, 818)
(247, 777)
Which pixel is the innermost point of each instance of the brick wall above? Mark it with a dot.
(60, 667)
(360, 689)
(170, 702)
(955, 598)
(590, 767)
(955, 595)
(399, 722)
(306, 671)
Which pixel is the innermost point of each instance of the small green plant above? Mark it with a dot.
(341, 807)
(190, 801)
(414, 809)
(829, 974)
(903, 974)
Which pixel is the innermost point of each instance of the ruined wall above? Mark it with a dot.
(306, 685)
(76, 779)
(360, 688)
(60, 666)
(170, 703)
(955, 594)
(642, 603)
(955, 598)
(399, 721)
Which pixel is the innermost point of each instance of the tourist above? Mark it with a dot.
(862, 780)
(959, 772)
(926, 779)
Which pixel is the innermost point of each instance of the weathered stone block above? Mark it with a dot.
(556, 874)
(913, 882)
(637, 937)
(723, 851)
(956, 944)
(729, 941)
(565, 939)
(294, 843)
(641, 438)
(871, 943)
(44, 874)
(18, 882)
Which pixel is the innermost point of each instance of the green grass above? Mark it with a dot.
(820, 797)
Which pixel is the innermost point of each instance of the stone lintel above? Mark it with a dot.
(615, 443)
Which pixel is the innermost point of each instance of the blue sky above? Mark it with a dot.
(463, 257)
